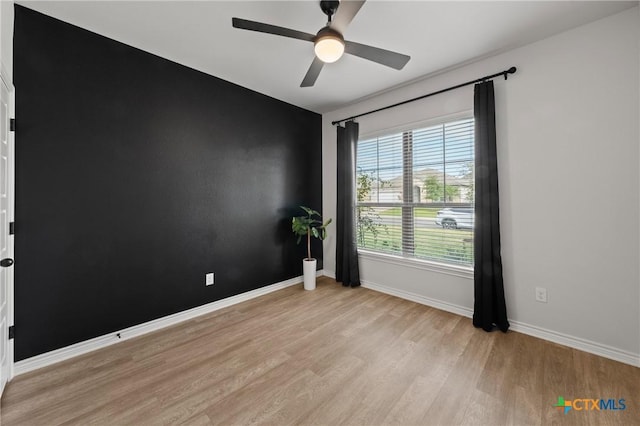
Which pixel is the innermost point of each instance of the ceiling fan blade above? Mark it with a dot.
(244, 24)
(346, 11)
(312, 75)
(385, 57)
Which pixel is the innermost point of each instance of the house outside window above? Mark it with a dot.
(415, 192)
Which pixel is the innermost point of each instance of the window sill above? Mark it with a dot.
(458, 271)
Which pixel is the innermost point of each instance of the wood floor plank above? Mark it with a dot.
(346, 369)
(458, 391)
(524, 407)
(335, 355)
(190, 404)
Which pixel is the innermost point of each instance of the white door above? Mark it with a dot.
(6, 241)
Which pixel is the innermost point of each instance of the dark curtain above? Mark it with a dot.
(489, 308)
(347, 269)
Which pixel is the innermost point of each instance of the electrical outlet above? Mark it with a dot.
(209, 278)
(541, 294)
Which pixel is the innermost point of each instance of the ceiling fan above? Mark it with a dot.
(329, 44)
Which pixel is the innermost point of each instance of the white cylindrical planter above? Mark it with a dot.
(309, 270)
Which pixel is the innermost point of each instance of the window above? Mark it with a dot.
(415, 193)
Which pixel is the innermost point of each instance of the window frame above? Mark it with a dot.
(402, 259)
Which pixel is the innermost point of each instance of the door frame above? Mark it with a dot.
(4, 75)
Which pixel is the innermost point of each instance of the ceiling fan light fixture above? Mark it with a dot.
(329, 45)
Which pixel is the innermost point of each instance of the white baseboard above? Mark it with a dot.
(584, 345)
(62, 354)
(81, 348)
(531, 330)
(434, 303)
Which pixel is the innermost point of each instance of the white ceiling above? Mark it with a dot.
(437, 36)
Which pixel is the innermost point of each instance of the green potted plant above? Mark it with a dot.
(308, 226)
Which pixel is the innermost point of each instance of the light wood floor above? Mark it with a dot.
(331, 356)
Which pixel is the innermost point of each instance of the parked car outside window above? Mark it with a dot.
(456, 218)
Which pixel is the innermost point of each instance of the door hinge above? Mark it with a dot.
(12, 124)
(12, 331)
(12, 228)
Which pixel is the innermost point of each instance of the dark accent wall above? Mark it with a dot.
(135, 176)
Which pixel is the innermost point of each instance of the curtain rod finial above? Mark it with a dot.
(511, 70)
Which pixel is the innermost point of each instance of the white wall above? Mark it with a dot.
(6, 37)
(568, 152)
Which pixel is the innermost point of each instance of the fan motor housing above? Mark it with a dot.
(328, 32)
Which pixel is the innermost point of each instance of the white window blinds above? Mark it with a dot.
(415, 193)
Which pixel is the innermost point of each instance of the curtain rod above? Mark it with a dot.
(504, 73)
